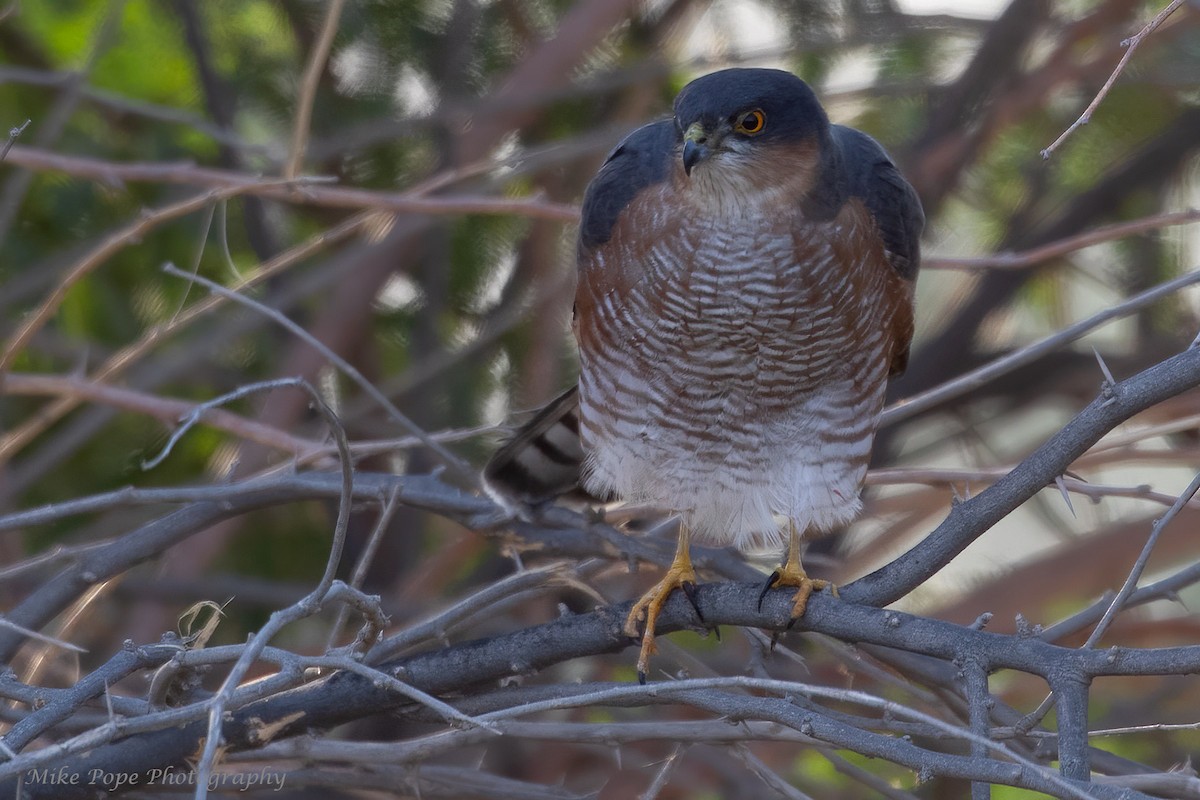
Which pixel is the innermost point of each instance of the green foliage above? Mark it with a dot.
(286, 544)
(813, 772)
(1013, 793)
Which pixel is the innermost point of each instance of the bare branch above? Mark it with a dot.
(952, 477)
(52, 125)
(306, 607)
(348, 369)
(124, 663)
(41, 637)
(162, 408)
(14, 440)
(308, 87)
(1062, 247)
(1139, 566)
(112, 244)
(911, 406)
(1131, 44)
(969, 519)
(313, 192)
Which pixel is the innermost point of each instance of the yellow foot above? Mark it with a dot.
(679, 576)
(794, 575)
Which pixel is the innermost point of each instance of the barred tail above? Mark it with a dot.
(544, 458)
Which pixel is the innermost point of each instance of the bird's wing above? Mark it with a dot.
(640, 160)
(870, 176)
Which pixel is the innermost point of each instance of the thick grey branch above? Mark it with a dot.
(968, 520)
(343, 696)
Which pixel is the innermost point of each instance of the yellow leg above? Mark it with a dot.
(792, 574)
(679, 575)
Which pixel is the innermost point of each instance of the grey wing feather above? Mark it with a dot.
(892, 201)
(543, 458)
(643, 158)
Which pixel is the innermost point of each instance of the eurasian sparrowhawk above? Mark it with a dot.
(745, 289)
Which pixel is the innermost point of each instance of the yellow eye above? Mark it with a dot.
(751, 123)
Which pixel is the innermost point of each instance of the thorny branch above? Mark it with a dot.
(13, 133)
(347, 695)
(462, 667)
(978, 377)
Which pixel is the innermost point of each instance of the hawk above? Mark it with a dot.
(745, 289)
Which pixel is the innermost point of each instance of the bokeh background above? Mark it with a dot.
(472, 128)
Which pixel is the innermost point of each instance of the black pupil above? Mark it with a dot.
(750, 122)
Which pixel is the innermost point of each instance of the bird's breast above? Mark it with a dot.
(735, 361)
(742, 303)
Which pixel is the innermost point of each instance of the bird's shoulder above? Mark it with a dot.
(642, 159)
(870, 175)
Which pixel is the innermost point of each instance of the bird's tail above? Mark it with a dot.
(544, 458)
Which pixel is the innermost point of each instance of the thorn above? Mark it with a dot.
(1062, 487)
(774, 576)
(1110, 383)
(1174, 597)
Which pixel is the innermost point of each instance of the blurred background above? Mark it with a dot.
(472, 128)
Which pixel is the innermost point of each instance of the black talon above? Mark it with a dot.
(641, 678)
(774, 576)
(689, 589)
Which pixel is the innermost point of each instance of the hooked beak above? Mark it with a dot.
(697, 146)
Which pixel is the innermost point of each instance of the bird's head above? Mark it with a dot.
(750, 125)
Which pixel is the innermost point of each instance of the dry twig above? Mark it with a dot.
(1131, 44)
